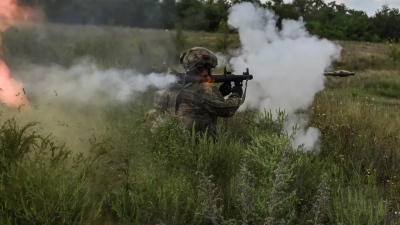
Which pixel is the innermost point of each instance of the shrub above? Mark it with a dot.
(38, 183)
(223, 41)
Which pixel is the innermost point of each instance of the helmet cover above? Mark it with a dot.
(198, 57)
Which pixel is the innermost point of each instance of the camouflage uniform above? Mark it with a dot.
(197, 105)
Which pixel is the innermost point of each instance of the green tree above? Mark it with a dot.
(214, 13)
(168, 13)
(386, 23)
(192, 15)
(329, 20)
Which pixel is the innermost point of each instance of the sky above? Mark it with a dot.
(369, 6)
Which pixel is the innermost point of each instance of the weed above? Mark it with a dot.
(38, 185)
(320, 206)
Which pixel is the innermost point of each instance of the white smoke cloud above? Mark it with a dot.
(287, 65)
(86, 83)
(69, 102)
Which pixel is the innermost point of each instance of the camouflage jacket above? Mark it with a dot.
(197, 105)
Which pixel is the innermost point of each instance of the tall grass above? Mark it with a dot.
(142, 174)
(38, 183)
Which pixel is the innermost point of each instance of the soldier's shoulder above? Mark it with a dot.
(174, 86)
(193, 87)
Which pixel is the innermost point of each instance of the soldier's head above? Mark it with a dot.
(197, 60)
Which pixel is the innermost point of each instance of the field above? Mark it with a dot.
(100, 162)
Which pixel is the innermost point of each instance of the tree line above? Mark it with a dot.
(329, 20)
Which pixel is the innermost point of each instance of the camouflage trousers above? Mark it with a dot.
(199, 127)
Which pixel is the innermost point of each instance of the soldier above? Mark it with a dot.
(198, 105)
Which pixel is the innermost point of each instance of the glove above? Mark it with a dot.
(237, 90)
(225, 89)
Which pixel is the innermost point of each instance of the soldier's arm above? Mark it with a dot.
(217, 105)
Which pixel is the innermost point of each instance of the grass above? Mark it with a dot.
(251, 175)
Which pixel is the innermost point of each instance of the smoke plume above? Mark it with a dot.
(69, 102)
(66, 102)
(86, 84)
(287, 64)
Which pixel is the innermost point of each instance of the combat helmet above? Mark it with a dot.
(198, 57)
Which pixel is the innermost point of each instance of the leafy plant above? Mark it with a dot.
(394, 52)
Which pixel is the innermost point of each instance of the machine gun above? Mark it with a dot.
(339, 73)
(183, 78)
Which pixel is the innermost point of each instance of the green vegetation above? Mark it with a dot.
(394, 53)
(329, 20)
(180, 42)
(152, 49)
(135, 175)
(224, 40)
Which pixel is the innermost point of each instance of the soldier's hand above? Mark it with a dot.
(225, 89)
(237, 90)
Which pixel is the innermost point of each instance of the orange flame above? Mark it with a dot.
(209, 80)
(11, 91)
